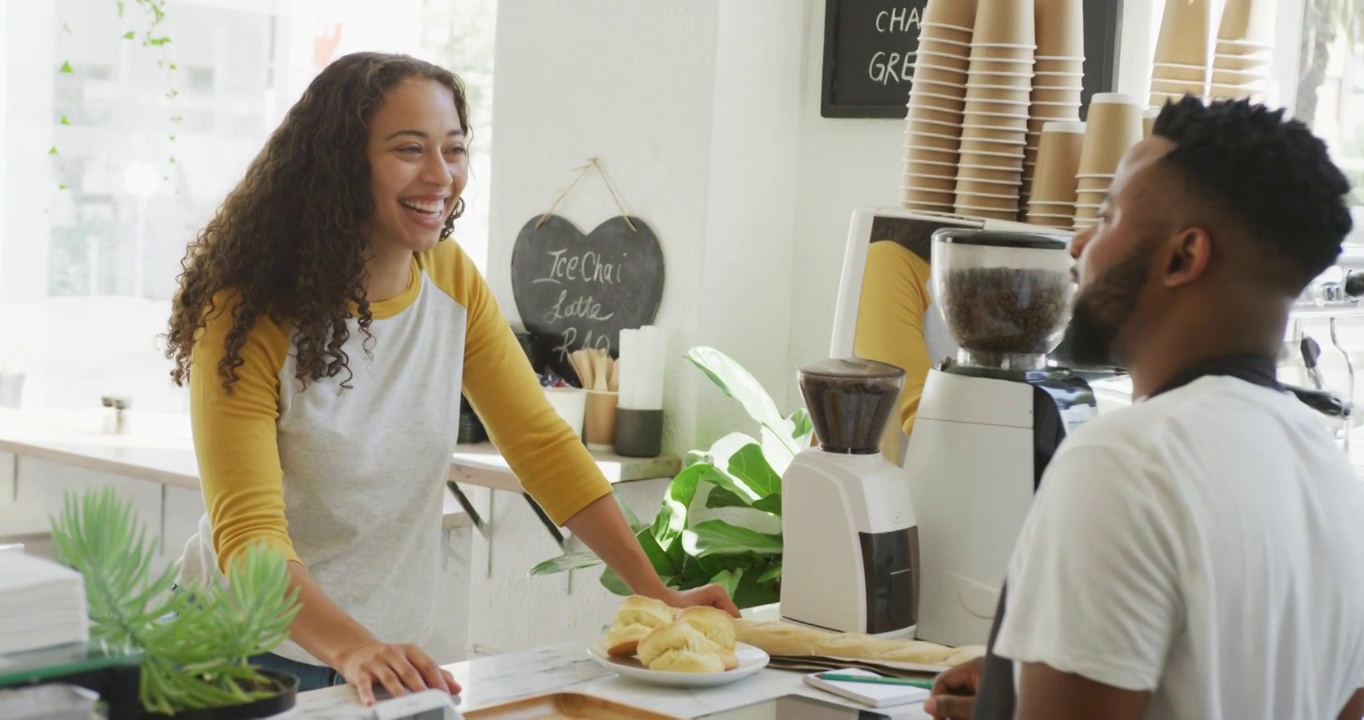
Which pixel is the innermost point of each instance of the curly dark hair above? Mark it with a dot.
(1270, 174)
(288, 238)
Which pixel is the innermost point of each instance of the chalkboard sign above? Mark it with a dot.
(578, 291)
(870, 47)
(869, 52)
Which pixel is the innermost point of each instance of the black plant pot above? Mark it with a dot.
(285, 685)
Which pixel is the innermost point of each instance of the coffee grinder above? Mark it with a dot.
(990, 419)
(850, 545)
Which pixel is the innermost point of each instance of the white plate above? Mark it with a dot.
(751, 660)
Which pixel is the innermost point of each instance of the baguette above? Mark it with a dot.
(780, 639)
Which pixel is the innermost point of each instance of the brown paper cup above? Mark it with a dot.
(1058, 223)
(1113, 126)
(1016, 94)
(1003, 54)
(915, 125)
(1247, 20)
(933, 183)
(972, 187)
(969, 203)
(1231, 59)
(1190, 73)
(1012, 123)
(1006, 109)
(1047, 112)
(1240, 78)
(1051, 209)
(920, 111)
(943, 142)
(1005, 21)
(939, 87)
(1058, 163)
(932, 197)
(1009, 174)
(1011, 139)
(952, 62)
(1176, 87)
(1052, 95)
(599, 419)
(927, 207)
(1092, 183)
(1084, 213)
(1060, 27)
(928, 98)
(1148, 121)
(956, 13)
(922, 154)
(925, 71)
(1185, 32)
(1059, 67)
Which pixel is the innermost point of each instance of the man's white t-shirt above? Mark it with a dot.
(1206, 545)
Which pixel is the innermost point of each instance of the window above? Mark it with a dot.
(1330, 81)
(117, 146)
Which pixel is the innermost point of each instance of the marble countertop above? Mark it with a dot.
(568, 668)
(156, 447)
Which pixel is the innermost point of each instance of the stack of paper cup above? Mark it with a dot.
(1181, 58)
(1059, 73)
(1052, 193)
(1114, 125)
(936, 99)
(995, 121)
(1241, 65)
(1148, 121)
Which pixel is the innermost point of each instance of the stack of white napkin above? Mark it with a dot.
(42, 604)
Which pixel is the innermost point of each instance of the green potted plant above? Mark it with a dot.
(195, 642)
(720, 520)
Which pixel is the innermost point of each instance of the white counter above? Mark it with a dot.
(567, 667)
(157, 447)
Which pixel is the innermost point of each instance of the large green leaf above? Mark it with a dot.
(750, 466)
(567, 561)
(717, 537)
(771, 504)
(611, 581)
(753, 592)
(729, 580)
(664, 564)
(736, 382)
(802, 425)
(771, 573)
(722, 498)
(672, 519)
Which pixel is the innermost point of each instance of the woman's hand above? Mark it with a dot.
(709, 596)
(954, 692)
(400, 669)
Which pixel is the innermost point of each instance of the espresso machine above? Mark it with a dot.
(850, 544)
(990, 419)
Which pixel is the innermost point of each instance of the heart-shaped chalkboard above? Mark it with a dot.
(575, 291)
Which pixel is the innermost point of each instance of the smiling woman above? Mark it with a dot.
(333, 248)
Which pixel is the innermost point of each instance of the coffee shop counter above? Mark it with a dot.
(567, 667)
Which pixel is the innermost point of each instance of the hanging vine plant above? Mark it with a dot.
(150, 33)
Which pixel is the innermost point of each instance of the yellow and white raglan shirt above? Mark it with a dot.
(350, 482)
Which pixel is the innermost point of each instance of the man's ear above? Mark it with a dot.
(1188, 254)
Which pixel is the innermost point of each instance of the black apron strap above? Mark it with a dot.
(997, 696)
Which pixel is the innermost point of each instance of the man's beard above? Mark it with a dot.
(1104, 308)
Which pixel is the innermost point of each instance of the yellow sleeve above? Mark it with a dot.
(235, 437)
(549, 461)
(890, 325)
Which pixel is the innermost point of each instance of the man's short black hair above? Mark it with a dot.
(1272, 174)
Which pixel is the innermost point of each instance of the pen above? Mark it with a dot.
(877, 680)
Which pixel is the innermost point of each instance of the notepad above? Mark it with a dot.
(874, 695)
